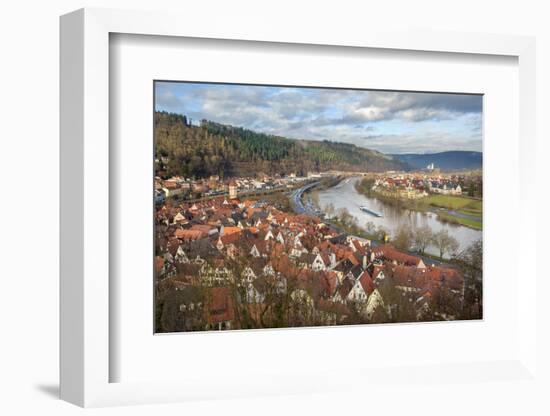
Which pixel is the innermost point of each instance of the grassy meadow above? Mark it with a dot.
(472, 209)
(461, 204)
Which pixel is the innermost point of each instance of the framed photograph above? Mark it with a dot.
(246, 215)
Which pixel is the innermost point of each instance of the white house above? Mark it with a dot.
(181, 257)
(248, 275)
(255, 252)
(318, 263)
(374, 301)
(357, 293)
(178, 218)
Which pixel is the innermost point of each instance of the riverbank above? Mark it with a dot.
(353, 229)
(451, 209)
(345, 201)
(347, 224)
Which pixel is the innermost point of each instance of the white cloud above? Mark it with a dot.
(392, 122)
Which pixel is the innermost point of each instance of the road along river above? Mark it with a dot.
(344, 195)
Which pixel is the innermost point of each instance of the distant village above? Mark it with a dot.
(232, 262)
(419, 184)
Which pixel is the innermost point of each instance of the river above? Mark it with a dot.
(344, 195)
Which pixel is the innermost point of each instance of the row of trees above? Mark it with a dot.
(420, 238)
(405, 238)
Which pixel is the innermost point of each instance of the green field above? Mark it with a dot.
(472, 209)
(456, 203)
(453, 209)
(446, 217)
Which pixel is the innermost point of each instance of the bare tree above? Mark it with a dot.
(422, 237)
(370, 228)
(329, 209)
(403, 238)
(470, 264)
(345, 217)
(445, 243)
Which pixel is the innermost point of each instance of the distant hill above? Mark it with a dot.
(452, 160)
(218, 149)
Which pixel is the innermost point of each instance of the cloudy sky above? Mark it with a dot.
(391, 122)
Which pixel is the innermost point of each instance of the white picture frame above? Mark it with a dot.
(85, 216)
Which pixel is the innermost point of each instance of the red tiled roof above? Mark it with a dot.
(345, 288)
(366, 282)
(358, 246)
(202, 227)
(230, 238)
(330, 279)
(231, 230)
(189, 234)
(219, 305)
(411, 276)
(353, 259)
(389, 252)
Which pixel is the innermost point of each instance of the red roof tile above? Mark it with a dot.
(219, 305)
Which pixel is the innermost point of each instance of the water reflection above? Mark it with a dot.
(344, 195)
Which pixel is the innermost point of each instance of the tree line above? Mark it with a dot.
(217, 149)
(405, 238)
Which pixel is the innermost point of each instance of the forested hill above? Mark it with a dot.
(452, 160)
(217, 149)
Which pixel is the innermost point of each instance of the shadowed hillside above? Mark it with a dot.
(217, 149)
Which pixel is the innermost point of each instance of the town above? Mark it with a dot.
(456, 198)
(230, 262)
(413, 185)
(181, 188)
(269, 215)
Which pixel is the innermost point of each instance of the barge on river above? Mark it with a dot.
(370, 211)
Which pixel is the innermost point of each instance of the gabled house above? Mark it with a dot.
(219, 309)
(389, 253)
(319, 263)
(254, 252)
(375, 302)
(343, 290)
(179, 218)
(181, 257)
(280, 238)
(268, 270)
(357, 293)
(228, 238)
(366, 283)
(354, 273)
(215, 275)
